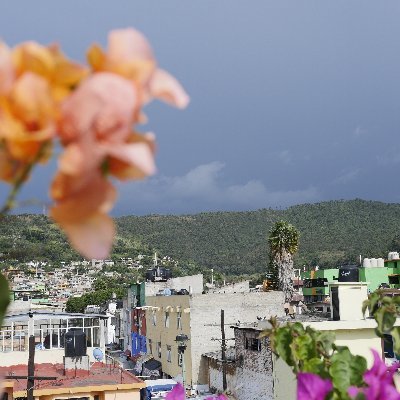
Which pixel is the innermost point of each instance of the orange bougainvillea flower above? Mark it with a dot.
(129, 54)
(96, 129)
(10, 169)
(62, 74)
(96, 123)
(7, 73)
(138, 163)
(44, 95)
(81, 211)
(27, 117)
(102, 108)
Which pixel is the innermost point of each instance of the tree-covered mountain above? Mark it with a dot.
(231, 242)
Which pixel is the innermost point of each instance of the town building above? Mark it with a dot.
(376, 272)
(254, 372)
(49, 330)
(198, 317)
(100, 381)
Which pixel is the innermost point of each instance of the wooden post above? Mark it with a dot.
(223, 350)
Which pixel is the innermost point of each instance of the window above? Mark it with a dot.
(150, 346)
(252, 344)
(394, 279)
(166, 320)
(154, 318)
(180, 359)
(168, 353)
(159, 349)
(179, 320)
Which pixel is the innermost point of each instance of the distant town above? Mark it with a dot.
(181, 329)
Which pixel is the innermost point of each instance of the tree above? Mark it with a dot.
(283, 243)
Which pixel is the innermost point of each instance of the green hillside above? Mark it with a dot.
(231, 242)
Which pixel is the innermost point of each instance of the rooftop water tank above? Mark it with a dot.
(381, 262)
(393, 255)
(374, 263)
(75, 343)
(367, 263)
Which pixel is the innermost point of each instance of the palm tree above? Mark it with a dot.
(283, 243)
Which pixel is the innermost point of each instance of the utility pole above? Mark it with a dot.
(31, 368)
(223, 350)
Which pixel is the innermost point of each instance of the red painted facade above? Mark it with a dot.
(139, 321)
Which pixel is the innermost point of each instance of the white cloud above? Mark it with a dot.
(389, 157)
(285, 156)
(347, 176)
(203, 189)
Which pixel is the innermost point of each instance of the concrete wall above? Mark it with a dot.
(53, 356)
(215, 375)
(205, 318)
(232, 288)
(351, 298)
(193, 282)
(122, 395)
(254, 379)
(284, 380)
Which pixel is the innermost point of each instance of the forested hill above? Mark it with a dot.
(232, 242)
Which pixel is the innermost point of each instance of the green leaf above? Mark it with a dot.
(304, 348)
(282, 342)
(4, 296)
(347, 370)
(325, 341)
(395, 332)
(316, 366)
(385, 319)
(340, 373)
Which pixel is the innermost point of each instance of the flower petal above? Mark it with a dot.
(138, 155)
(7, 73)
(177, 393)
(165, 87)
(127, 44)
(312, 387)
(103, 106)
(92, 236)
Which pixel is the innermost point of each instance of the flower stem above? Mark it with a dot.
(23, 175)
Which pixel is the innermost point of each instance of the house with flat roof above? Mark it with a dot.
(49, 330)
(99, 382)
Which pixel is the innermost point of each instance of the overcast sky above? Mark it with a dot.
(291, 101)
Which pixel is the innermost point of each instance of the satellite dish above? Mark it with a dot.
(98, 354)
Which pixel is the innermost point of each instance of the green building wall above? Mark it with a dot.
(138, 292)
(389, 274)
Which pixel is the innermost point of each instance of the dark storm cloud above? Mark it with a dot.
(298, 100)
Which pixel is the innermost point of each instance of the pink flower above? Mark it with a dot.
(129, 54)
(379, 380)
(312, 387)
(177, 393)
(96, 123)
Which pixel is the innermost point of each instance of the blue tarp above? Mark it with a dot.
(138, 344)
